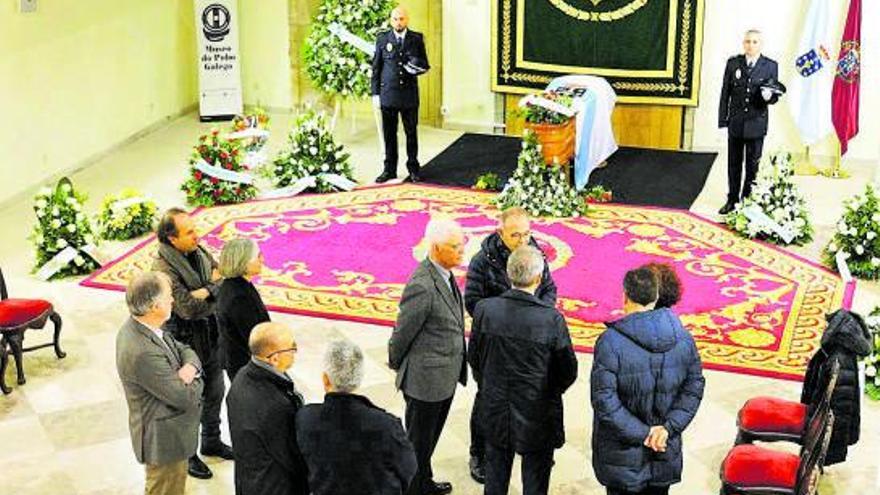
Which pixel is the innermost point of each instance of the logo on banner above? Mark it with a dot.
(812, 61)
(215, 22)
(848, 65)
(609, 11)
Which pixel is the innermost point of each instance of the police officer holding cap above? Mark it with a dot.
(399, 58)
(749, 87)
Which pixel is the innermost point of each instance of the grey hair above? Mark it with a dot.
(344, 365)
(524, 265)
(143, 292)
(236, 255)
(439, 230)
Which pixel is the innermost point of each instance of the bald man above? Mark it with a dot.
(262, 405)
(400, 57)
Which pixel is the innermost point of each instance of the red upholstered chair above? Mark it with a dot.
(16, 316)
(771, 419)
(753, 470)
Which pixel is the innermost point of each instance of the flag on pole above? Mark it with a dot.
(845, 94)
(811, 89)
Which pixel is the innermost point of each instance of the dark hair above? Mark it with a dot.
(167, 228)
(669, 285)
(640, 286)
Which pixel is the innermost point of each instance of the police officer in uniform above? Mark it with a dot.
(399, 58)
(745, 99)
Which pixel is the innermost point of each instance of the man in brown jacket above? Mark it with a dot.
(162, 386)
(194, 285)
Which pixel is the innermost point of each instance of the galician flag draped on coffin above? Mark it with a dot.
(593, 101)
(811, 88)
(845, 95)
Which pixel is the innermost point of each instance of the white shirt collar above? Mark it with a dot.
(401, 35)
(752, 61)
(157, 331)
(442, 271)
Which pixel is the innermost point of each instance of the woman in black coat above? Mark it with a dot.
(846, 339)
(239, 306)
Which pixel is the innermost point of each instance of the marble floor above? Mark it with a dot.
(65, 431)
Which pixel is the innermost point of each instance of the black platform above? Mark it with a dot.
(635, 175)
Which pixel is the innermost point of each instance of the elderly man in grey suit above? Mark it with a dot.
(162, 386)
(427, 348)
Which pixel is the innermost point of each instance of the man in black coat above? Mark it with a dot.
(195, 286)
(487, 277)
(350, 445)
(847, 339)
(522, 357)
(262, 406)
(399, 58)
(743, 111)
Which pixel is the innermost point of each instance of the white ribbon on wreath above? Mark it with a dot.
(120, 205)
(336, 180)
(250, 132)
(762, 220)
(354, 40)
(223, 174)
(64, 258)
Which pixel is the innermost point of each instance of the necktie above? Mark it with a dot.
(454, 287)
(750, 64)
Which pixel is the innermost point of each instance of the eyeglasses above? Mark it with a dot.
(521, 235)
(291, 349)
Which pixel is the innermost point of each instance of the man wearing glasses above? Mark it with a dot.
(487, 277)
(262, 404)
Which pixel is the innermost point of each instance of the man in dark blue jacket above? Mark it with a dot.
(522, 358)
(646, 386)
(399, 58)
(745, 99)
(350, 445)
(487, 277)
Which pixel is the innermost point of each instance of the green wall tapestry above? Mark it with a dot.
(648, 50)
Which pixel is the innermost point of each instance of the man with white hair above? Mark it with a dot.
(427, 347)
(163, 386)
(522, 358)
(350, 445)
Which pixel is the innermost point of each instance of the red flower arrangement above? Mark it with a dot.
(202, 188)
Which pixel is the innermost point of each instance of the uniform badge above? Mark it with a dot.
(738, 74)
(389, 47)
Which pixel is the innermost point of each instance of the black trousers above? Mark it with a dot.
(410, 118)
(536, 468)
(735, 147)
(201, 336)
(651, 490)
(424, 423)
(478, 440)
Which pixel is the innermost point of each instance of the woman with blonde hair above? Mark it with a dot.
(239, 306)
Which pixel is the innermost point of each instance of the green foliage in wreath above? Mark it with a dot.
(858, 236)
(204, 190)
(542, 190)
(488, 182)
(872, 362)
(311, 152)
(335, 66)
(126, 215)
(61, 223)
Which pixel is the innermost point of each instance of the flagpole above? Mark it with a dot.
(805, 166)
(835, 171)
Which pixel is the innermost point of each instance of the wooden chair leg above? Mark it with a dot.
(16, 344)
(56, 320)
(4, 362)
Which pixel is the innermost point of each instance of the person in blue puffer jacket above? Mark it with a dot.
(646, 386)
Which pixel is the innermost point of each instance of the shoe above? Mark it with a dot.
(478, 470)
(217, 449)
(385, 177)
(413, 177)
(727, 208)
(198, 469)
(438, 488)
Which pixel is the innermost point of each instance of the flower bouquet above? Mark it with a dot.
(126, 215)
(216, 174)
(63, 235)
(858, 236)
(550, 117)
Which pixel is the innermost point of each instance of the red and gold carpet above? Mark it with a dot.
(752, 307)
